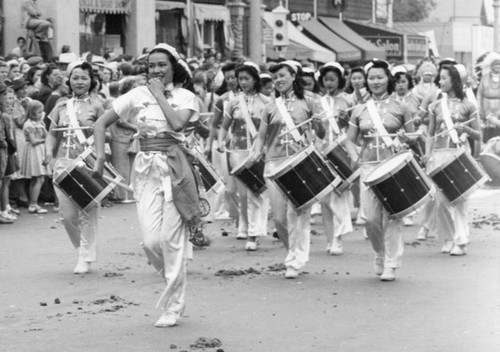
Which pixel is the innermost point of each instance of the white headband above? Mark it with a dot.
(335, 65)
(170, 49)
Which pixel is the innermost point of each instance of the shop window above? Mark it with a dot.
(101, 33)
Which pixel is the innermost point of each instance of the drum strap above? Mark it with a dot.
(470, 96)
(288, 120)
(379, 126)
(447, 119)
(73, 122)
(330, 109)
(246, 115)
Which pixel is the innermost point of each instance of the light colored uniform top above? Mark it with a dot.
(300, 110)
(394, 115)
(151, 122)
(241, 138)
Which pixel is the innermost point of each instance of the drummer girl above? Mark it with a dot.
(451, 220)
(380, 115)
(334, 105)
(75, 113)
(162, 177)
(291, 107)
(243, 115)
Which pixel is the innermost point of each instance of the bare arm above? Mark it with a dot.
(100, 126)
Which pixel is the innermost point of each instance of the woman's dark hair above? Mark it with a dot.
(178, 70)
(384, 66)
(252, 71)
(408, 77)
(30, 75)
(445, 62)
(85, 66)
(324, 70)
(298, 82)
(358, 69)
(47, 72)
(456, 81)
(311, 75)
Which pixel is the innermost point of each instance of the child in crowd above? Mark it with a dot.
(32, 165)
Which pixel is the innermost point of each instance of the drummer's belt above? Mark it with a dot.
(157, 144)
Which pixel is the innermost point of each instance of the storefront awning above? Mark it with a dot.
(300, 43)
(169, 5)
(105, 6)
(398, 45)
(206, 12)
(323, 35)
(368, 49)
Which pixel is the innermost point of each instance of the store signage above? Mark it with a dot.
(392, 45)
(300, 16)
(416, 46)
(105, 6)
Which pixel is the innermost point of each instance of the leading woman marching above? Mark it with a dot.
(162, 177)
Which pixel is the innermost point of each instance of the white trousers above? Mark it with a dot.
(294, 228)
(80, 227)
(336, 215)
(164, 236)
(230, 197)
(386, 235)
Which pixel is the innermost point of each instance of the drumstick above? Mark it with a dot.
(295, 127)
(448, 131)
(412, 134)
(72, 128)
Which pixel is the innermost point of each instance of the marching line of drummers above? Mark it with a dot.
(397, 154)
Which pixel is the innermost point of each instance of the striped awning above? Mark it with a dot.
(169, 5)
(207, 12)
(105, 6)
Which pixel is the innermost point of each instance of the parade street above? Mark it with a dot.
(240, 301)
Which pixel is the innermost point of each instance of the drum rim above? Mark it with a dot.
(348, 181)
(439, 168)
(384, 177)
(334, 144)
(494, 156)
(294, 160)
(331, 187)
(239, 166)
(471, 190)
(430, 194)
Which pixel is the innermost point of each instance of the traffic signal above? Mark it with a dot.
(280, 31)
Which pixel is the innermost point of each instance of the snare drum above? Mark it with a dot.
(77, 183)
(490, 161)
(305, 178)
(209, 178)
(252, 177)
(400, 184)
(458, 175)
(338, 158)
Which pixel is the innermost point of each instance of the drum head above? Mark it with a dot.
(389, 166)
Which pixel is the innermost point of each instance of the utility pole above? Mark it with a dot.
(389, 13)
(496, 5)
(255, 31)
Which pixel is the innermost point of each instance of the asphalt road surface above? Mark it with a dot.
(239, 301)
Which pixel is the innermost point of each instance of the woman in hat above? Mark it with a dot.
(78, 113)
(488, 96)
(243, 116)
(380, 110)
(291, 107)
(162, 177)
(334, 106)
(451, 220)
